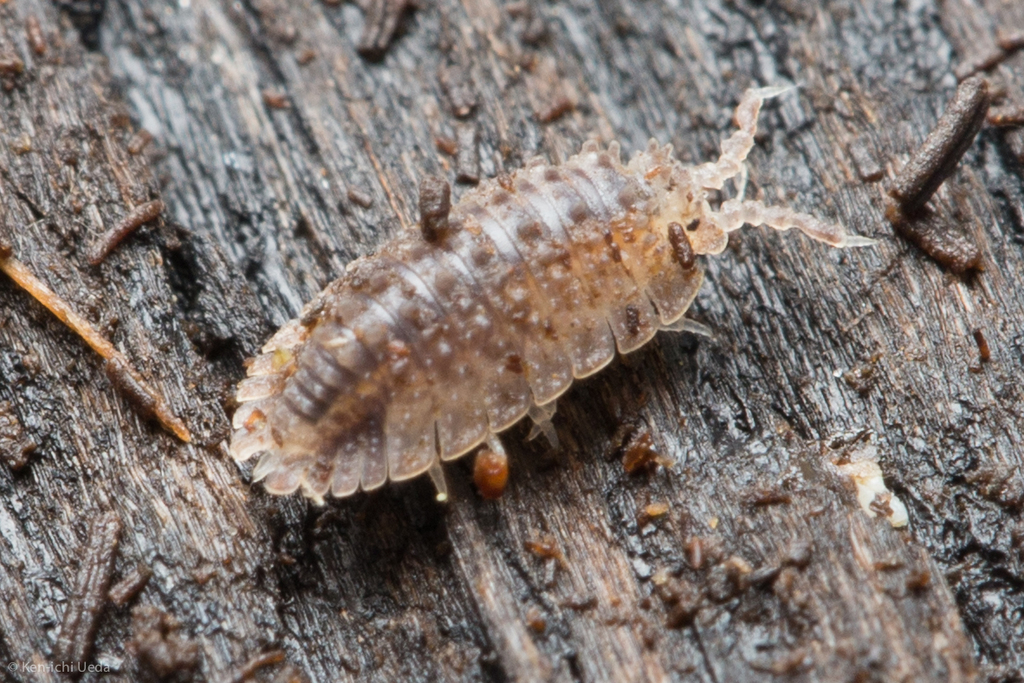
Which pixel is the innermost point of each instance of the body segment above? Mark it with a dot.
(429, 347)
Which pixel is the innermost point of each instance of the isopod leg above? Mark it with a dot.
(734, 214)
(437, 476)
(541, 416)
(691, 326)
(737, 146)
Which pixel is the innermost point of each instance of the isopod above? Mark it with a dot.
(424, 350)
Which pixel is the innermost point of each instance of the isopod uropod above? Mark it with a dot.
(437, 342)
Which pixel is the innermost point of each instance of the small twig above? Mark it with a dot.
(942, 150)
(1007, 116)
(89, 595)
(122, 373)
(136, 218)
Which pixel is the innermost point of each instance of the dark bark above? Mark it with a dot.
(764, 563)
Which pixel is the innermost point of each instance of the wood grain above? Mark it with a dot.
(262, 211)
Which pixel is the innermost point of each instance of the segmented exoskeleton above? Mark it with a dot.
(437, 342)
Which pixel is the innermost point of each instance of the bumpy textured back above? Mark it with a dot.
(427, 348)
(423, 349)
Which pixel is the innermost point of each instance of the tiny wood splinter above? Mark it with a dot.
(117, 367)
(428, 348)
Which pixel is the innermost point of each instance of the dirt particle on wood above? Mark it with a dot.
(546, 548)
(681, 597)
(130, 585)
(435, 205)
(861, 378)
(446, 145)
(650, 513)
(869, 169)
(984, 352)
(640, 455)
(275, 99)
(10, 64)
(15, 446)
(535, 620)
(764, 496)
(34, 34)
(467, 159)
(88, 596)
(157, 645)
(138, 142)
(458, 88)
(359, 198)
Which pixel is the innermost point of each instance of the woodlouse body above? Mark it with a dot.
(424, 350)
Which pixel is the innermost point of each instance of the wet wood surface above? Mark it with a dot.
(287, 138)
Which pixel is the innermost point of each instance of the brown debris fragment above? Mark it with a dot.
(130, 585)
(359, 198)
(467, 159)
(10, 64)
(558, 106)
(34, 34)
(15, 447)
(869, 169)
(305, 56)
(798, 554)
(942, 150)
(383, 18)
(136, 218)
(640, 455)
(89, 594)
(546, 548)
(984, 352)
(938, 237)
(446, 145)
(767, 495)
(139, 141)
(650, 513)
(435, 205)
(535, 620)
(1008, 116)
(458, 88)
(681, 248)
(918, 580)
(490, 473)
(260, 661)
(861, 378)
(682, 598)
(157, 645)
(274, 99)
(117, 365)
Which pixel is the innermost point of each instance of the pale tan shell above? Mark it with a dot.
(423, 350)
